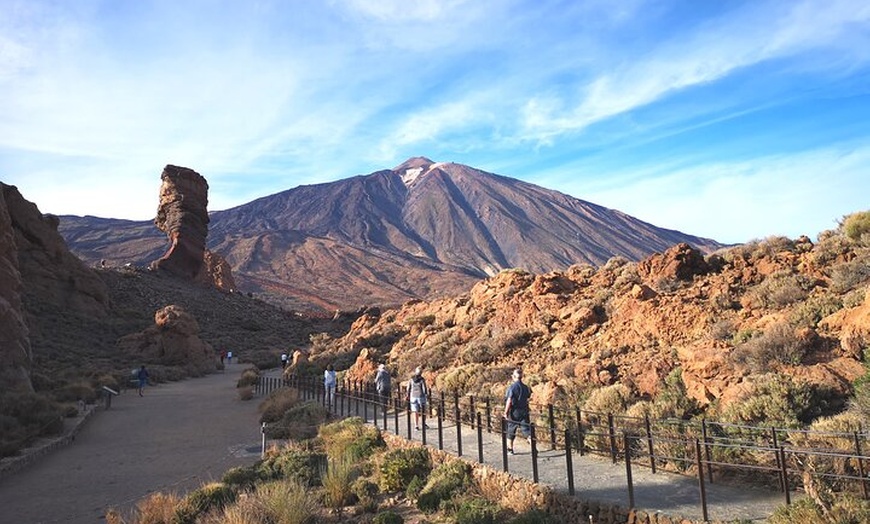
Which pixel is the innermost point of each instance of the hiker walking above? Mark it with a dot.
(382, 384)
(516, 409)
(142, 377)
(284, 360)
(417, 394)
(329, 382)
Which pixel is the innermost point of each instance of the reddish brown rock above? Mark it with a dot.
(15, 351)
(681, 262)
(172, 340)
(183, 216)
(50, 272)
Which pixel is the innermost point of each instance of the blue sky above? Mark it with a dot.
(726, 119)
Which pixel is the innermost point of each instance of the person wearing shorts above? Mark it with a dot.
(417, 394)
(516, 409)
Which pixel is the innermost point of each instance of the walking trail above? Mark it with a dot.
(173, 439)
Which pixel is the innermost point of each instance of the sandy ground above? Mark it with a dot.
(173, 439)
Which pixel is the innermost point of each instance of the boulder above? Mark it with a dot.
(681, 262)
(172, 340)
(183, 216)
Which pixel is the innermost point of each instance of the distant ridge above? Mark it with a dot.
(420, 230)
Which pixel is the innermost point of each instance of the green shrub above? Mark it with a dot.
(216, 495)
(414, 488)
(851, 275)
(476, 511)
(857, 226)
(350, 439)
(287, 502)
(80, 390)
(814, 309)
(242, 477)
(299, 465)
(25, 416)
(446, 480)
(775, 400)
(400, 466)
(336, 481)
(844, 509)
(364, 488)
(388, 517)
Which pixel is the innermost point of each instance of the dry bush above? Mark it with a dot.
(851, 275)
(277, 403)
(158, 508)
(779, 290)
(608, 399)
(350, 439)
(250, 377)
(778, 344)
(832, 246)
(286, 502)
(337, 481)
(857, 227)
(722, 330)
(814, 309)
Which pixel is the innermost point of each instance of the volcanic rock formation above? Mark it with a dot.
(15, 354)
(183, 216)
(172, 340)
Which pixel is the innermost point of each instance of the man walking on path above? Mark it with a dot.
(417, 394)
(329, 382)
(516, 409)
(142, 376)
(382, 384)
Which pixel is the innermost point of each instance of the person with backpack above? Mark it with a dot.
(417, 395)
(382, 384)
(329, 383)
(516, 409)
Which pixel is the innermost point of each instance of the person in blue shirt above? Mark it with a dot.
(516, 409)
(142, 376)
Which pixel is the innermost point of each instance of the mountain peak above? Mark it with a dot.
(410, 170)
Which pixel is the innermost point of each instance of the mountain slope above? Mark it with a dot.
(421, 230)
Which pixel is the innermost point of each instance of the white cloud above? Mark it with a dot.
(713, 51)
(791, 195)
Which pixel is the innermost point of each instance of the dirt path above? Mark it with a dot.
(173, 439)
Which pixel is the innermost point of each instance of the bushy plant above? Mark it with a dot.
(774, 400)
(446, 480)
(399, 466)
(388, 517)
(301, 465)
(844, 509)
(857, 226)
(814, 309)
(779, 290)
(299, 422)
(851, 275)
(249, 377)
(277, 403)
(414, 488)
(157, 508)
(242, 477)
(350, 439)
(363, 488)
(25, 416)
(476, 510)
(777, 344)
(608, 399)
(287, 502)
(336, 482)
(216, 495)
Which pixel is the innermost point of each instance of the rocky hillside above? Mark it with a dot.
(783, 322)
(420, 230)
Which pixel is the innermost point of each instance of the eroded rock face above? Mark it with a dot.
(172, 340)
(681, 262)
(183, 216)
(51, 274)
(15, 352)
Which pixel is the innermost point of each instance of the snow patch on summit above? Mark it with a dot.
(411, 175)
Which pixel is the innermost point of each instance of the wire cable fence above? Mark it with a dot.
(710, 451)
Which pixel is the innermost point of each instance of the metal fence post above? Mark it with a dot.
(706, 450)
(784, 474)
(569, 462)
(611, 430)
(627, 446)
(534, 453)
(440, 412)
(479, 439)
(504, 452)
(860, 465)
(649, 444)
(699, 464)
(552, 417)
(458, 428)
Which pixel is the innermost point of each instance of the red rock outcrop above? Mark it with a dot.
(50, 272)
(183, 216)
(15, 352)
(172, 340)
